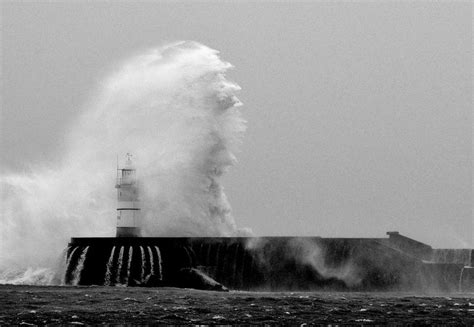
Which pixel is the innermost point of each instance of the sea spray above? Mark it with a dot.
(142, 272)
(310, 253)
(30, 276)
(62, 265)
(173, 108)
(152, 264)
(208, 255)
(130, 255)
(188, 257)
(119, 268)
(110, 263)
(160, 268)
(68, 262)
(76, 275)
(273, 256)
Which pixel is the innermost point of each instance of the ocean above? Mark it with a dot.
(77, 305)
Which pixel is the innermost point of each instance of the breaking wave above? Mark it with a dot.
(174, 110)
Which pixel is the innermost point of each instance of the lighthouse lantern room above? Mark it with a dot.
(128, 205)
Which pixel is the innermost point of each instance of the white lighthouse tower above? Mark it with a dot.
(128, 205)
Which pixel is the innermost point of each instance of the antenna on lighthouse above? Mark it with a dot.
(129, 159)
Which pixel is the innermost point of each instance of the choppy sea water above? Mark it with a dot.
(41, 305)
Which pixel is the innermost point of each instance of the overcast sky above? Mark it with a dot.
(359, 114)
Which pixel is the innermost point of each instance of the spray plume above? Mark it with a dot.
(173, 108)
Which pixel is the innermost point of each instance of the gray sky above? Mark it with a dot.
(359, 114)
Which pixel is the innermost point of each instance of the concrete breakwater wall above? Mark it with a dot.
(263, 263)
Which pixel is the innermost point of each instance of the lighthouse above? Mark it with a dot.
(128, 204)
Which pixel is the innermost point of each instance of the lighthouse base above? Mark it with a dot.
(128, 232)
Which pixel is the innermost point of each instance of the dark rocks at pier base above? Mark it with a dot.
(269, 263)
